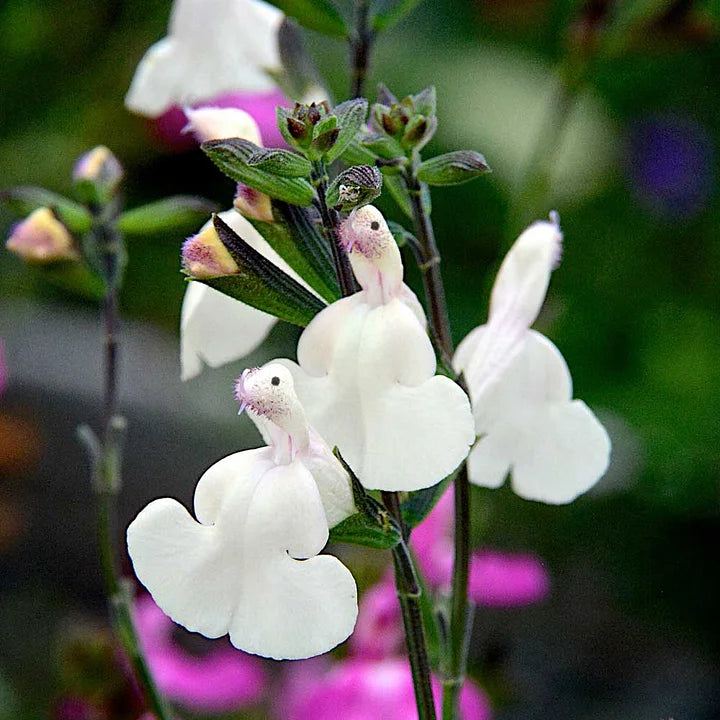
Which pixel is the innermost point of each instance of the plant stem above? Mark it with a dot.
(361, 43)
(460, 609)
(105, 460)
(458, 637)
(439, 320)
(408, 591)
(330, 223)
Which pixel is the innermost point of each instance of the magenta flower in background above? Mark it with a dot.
(363, 689)
(75, 708)
(379, 630)
(222, 681)
(168, 127)
(497, 578)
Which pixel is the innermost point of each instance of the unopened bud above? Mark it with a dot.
(42, 238)
(204, 255)
(213, 123)
(97, 175)
(355, 187)
(297, 129)
(253, 204)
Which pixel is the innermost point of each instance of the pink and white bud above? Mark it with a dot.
(99, 167)
(204, 255)
(214, 123)
(251, 203)
(42, 238)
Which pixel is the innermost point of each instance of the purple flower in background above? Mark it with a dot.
(75, 708)
(363, 689)
(169, 126)
(221, 681)
(670, 164)
(497, 579)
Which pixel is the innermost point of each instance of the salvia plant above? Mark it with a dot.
(374, 431)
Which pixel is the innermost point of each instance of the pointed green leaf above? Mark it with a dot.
(280, 162)
(296, 239)
(396, 187)
(261, 284)
(419, 504)
(319, 15)
(24, 200)
(372, 525)
(453, 168)
(351, 117)
(357, 154)
(232, 156)
(383, 145)
(395, 11)
(175, 214)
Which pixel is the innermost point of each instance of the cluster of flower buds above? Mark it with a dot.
(409, 123)
(312, 128)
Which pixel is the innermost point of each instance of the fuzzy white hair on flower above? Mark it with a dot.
(212, 47)
(249, 565)
(366, 373)
(521, 389)
(216, 329)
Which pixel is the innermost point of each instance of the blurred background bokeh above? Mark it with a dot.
(627, 156)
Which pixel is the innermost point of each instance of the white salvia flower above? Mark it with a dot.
(212, 47)
(214, 123)
(521, 389)
(249, 565)
(366, 374)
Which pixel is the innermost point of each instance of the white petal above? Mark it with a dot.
(216, 329)
(241, 575)
(517, 296)
(213, 123)
(556, 448)
(213, 47)
(366, 380)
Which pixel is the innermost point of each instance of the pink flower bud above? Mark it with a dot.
(253, 204)
(42, 238)
(99, 167)
(204, 255)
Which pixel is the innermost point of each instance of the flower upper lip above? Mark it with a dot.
(241, 393)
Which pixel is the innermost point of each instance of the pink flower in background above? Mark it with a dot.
(379, 630)
(497, 579)
(169, 127)
(363, 689)
(222, 681)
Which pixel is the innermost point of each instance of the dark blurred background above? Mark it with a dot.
(629, 162)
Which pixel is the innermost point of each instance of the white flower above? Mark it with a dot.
(366, 374)
(521, 388)
(249, 566)
(214, 123)
(212, 47)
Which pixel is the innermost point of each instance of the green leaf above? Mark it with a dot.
(372, 526)
(401, 235)
(383, 145)
(296, 239)
(280, 162)
(178, 213)
(357, 154)
(351, 117)
(319, 15)
(261, 284)
(394, 14)
(396, 187)
(232, 155)
(419, 504)
(453, 168)
(24, 200)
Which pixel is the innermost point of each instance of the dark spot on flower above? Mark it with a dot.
(374, 225)
(275, 380)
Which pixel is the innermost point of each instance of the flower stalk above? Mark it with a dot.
(361, 45)
(105, 457)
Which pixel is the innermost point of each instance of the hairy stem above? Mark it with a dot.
(408, 591)
(429, 264)
(330, 223)
(361, 44)
(105, 460)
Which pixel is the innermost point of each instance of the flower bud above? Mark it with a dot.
(204, 255)
(253, 204)
(214, 123)
(356, 186)
(97, 175)
(42, 238)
